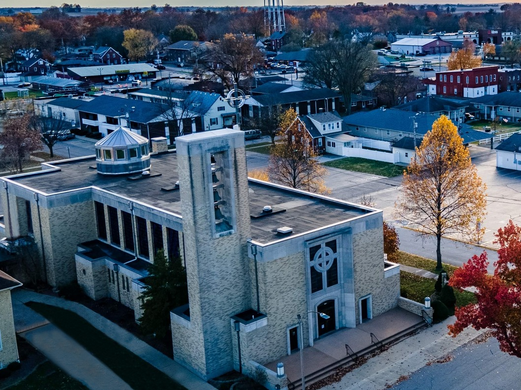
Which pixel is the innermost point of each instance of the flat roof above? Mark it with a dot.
(109, 70)
(301, 211)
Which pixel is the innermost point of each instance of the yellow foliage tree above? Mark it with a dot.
(139, 43)
(489, 49)
(259, 174)
(293, 161)
(464, 58)
(442, 192)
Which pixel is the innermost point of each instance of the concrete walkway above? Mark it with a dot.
(404, 358)
(120, 335)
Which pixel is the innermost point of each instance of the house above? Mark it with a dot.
(35, 67)
(412, 46)
(465, 82)
(305, 102)
(436, 105)
(276, 40)
(63, 108)
(8, 346)
(253, 271)
(186, 52)
(508, 153)
(509, 79)
(321, 125)
(506, 106)
(393, 124)
(107, 56)
(404, 150)
(113, 73)
(362, 102)
(212, 110)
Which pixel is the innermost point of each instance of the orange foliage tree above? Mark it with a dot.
(498, 295)
(442, 192)
(464, 58)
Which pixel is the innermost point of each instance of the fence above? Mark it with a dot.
(498, 138)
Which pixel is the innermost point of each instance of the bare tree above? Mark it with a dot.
(49, 128)
(233, 57)
(19, 140)
(269, 120)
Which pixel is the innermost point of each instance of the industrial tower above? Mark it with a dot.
(274, 19)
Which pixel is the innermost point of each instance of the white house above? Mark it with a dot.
(508, 153)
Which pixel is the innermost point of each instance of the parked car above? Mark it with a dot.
(252, 134)
(64, 135)
(25, 85)
(136, 83)
(160, 67)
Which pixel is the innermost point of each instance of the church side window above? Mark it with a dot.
(323, 265)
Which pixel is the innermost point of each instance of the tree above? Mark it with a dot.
(391, 242)
(165, 289)
(394, 89)
(511, 50)
(269, 120)
(182, 33)
(489, 49)
(498, 295)
(293, 161)
(341, 64)
(233, 57)
(49, 127)
(464, 58)
(442, 192)
(139, 43)
(19, 140)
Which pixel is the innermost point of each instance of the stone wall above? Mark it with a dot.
(368, 267)
(9, 350)
(92, 277)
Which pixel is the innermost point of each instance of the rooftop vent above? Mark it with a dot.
(267, 209)
(284, 230)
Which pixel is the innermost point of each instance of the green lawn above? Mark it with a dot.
(263, 147)
(501, 127)
(139, 374)
(417, 288)
(14, 95)
(48, 377)
(422, 263)
(366, 166)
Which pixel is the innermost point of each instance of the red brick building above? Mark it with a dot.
(470, 83)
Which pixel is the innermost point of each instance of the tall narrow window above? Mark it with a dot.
(142, 236)
(323, 265)
(128, 231)
(114, 225)
(100, 219)
(173, 243)
(157, 237)
(29, 217)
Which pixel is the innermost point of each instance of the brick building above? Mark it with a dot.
(251, 268)
(470, 83)
(107, 56)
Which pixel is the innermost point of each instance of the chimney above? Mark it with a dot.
(159, 145)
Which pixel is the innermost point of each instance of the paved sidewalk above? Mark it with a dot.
(404, 358)
(418, 271)
(121, 336)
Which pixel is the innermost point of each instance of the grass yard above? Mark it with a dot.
(14, 95)
(366, 166)
(417, 288)
(501, 127)
(422, 263)
(263, 147)
(48, 377)
(139, 374)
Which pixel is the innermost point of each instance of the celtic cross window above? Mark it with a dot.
(323, 265)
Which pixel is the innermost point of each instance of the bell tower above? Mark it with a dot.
(216, 226)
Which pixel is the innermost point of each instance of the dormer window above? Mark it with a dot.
(107, 154)
(132, 152)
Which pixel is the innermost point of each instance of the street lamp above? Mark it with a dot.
(299, 317)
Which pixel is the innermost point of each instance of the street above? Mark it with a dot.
(470, 367)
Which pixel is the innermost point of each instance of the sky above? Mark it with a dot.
(218, 3)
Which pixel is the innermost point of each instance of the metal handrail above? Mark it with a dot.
(350, 352)
(373, 338)
(427, 318)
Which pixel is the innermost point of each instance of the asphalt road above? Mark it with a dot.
(77, 147)
(473, 367)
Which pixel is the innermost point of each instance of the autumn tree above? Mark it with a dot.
(498, 295)
(442, 192)
(341, 64)
(19, 140)
(489, 49)
(233, 57)
(165, 289)
(139, 43)
(391, 242)
(182, 33)
(293, 160)
(464, 58)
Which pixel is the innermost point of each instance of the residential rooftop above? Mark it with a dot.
(301, 211)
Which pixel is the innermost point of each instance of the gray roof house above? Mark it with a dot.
(504, 105)
(508, 153)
